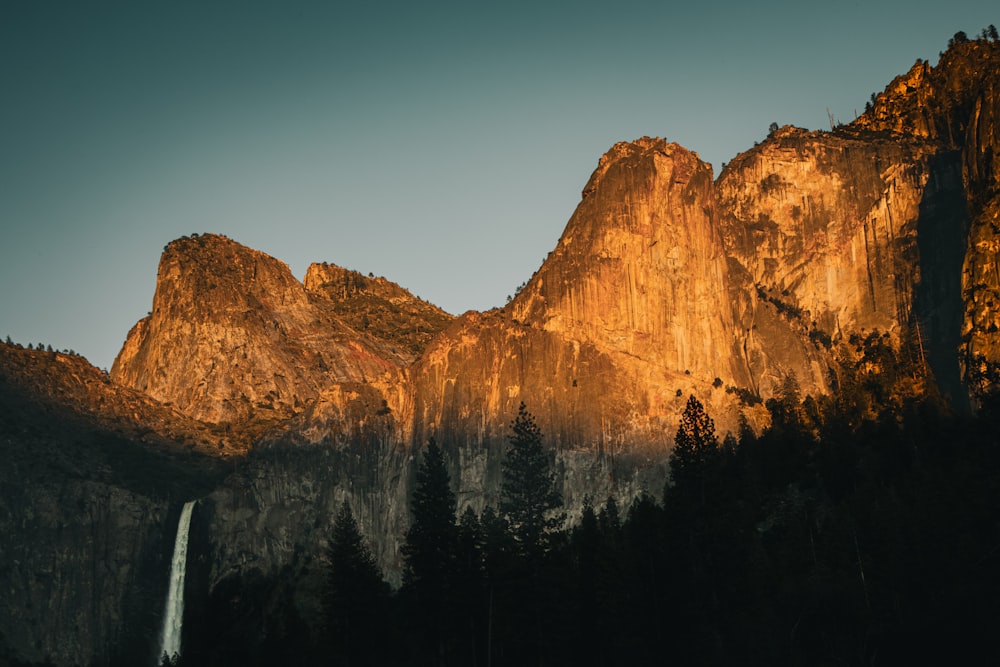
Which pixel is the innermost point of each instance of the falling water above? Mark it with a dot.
(173, 615)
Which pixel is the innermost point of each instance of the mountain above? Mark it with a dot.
(663, 284)
(91, 473)
(627, 316)
(273, 401)
(233, 337)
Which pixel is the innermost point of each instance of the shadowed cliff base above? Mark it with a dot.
(939, 307)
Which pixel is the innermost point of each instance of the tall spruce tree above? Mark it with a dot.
(429, 553)
(695, 444)
(357, 596)
(528, 493)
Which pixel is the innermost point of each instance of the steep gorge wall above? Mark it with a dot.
(640, 269)
(272, 521)
(90, 478)
(661, 283)
(81, 569)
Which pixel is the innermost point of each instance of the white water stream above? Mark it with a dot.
(173, 614)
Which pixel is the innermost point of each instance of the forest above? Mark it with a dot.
(861, 528)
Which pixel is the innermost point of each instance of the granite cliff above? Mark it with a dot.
(233, 337)
(954, 106)
(840, 233)
(628, 315)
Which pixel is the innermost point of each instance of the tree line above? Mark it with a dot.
(861, 527)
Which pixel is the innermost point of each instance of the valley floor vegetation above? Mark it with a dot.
(860, 528)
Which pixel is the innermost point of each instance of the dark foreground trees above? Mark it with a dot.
(529, 495)
(860, 529)
(357, 604)
(430, 564)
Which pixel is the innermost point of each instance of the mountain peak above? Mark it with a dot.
(633, 152)
(233, 336)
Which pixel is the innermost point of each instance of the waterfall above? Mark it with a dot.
(173, 614)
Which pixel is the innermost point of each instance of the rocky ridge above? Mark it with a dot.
(233, 337)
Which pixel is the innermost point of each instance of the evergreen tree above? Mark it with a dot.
(497, 554)
(528, 493)
(429, 555)
(470, 604)
(695, 444)
(357, 596)
(429, 550)
(609, 518)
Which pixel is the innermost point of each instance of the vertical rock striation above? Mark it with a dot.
(640, 271)
(831, 231)
(629, 312)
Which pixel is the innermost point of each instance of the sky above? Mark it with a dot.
(441, 145)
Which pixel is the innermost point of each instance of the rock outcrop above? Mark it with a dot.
(954, 105)
(378, 308)
(627, 316)
(234, 337)
(842, 233)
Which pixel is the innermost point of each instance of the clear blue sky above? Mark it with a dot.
(442, 145)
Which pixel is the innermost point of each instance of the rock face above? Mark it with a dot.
(81, 564)
(378, 307)
(843, 233)
(90, 479)
(955, 105)
(234, 337)
(628, 315)
(639, 268)
(663, 284)
(981, 275)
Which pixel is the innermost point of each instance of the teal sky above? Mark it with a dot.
(442, 145)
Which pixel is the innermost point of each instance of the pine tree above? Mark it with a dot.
(497, 554)
(429, 550)
(609, 518)
(357, 596)
(528, 493)
(429, 554)
(694, 445)
(470, 602)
